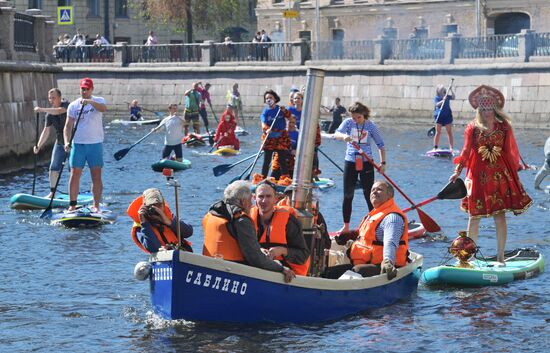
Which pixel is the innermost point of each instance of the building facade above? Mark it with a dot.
(350, 20)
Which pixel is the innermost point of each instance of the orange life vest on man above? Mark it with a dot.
(166, 237)
(367, 249)
(218, 240)
(275, 234)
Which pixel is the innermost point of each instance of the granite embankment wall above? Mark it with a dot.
(22, 87)
(401, 93)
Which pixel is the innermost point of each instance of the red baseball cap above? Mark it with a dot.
(86, 82)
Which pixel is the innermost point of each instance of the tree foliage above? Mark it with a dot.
(190, 15)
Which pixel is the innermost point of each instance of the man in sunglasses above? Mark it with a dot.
(84, 141)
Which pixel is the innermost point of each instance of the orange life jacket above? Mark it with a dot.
(166, 237)
(218, 240)
(275, 234)
(367, 250)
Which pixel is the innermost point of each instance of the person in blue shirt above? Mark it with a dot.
(135, 111)
(443, 115)
(276, 139)
(362, 131)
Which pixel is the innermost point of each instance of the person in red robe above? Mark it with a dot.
(225, 133)
(492, 159)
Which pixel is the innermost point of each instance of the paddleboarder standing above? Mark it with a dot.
(55, 121)
(174, 126)
(87, 143)
(443, 115)
(491, 156)
(545, 169)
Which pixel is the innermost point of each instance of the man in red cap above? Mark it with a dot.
(85, 140)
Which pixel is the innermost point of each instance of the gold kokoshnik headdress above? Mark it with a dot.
(486, 97)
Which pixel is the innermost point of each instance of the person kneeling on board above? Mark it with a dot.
(278, 230)
(229, 232)
(155, 226)
(381, 242)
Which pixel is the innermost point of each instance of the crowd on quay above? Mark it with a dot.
(82, 48)
(265, 233)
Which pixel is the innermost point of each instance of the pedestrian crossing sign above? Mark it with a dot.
(65, 15)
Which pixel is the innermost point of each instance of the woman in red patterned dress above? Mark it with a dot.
(491, 156)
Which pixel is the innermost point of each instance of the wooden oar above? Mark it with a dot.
(224, 168)
(454, 190)
(121, 153)
(48, 211)
(427, 221)
(35, 155)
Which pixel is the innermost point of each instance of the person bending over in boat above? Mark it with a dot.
(55, 121)
(277, 140)
(491, 155)
(174, 133)
(225, 133)
(278, 230)
(381, 242)
(362, 131)
(545, 169)
(155, 226)
(229, 232)
(135, 111)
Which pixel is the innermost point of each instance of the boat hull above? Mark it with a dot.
(528, 264)
(198, 288)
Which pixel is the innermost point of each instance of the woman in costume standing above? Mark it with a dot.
(491, 156)
(362, 131)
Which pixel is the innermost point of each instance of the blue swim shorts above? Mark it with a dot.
(82, 153)
(58, 157)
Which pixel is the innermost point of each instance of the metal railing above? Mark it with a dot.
(164, 53)
(23, 33)
(83, 53)
(343, 50)
(542, 44)
(417, 49)
(497, 46)
(269, 51)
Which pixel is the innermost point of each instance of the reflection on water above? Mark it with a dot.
(69, 290)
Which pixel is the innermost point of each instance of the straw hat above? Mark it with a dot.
(152, 196)
(486, 97)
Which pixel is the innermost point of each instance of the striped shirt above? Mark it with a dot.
(362, 134)
(389, 231)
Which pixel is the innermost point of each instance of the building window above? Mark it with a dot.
(93, 8)
(35, 4)
(121, 8)
(63, 2)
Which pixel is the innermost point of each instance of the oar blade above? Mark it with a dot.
(47, 214)
(431, 132)
(221, 169)
(428, 223)
(455, 190)
(120, 154)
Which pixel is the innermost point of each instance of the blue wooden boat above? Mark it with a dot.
(34, 202)
(198, 288)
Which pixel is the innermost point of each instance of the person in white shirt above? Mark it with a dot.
(174, 126)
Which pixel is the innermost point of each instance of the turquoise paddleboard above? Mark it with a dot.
(83, 218)
(34, 202)
(169, 163)
(520, 264)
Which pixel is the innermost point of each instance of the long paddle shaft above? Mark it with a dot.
(224, 168)
(427, 221)
(330, 159)
(431, 132)
(121, 153)
(212, 110)
(35, 155)
(48, 211)
(454, 190)
(262, 146)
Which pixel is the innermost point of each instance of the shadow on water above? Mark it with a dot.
(66, 290)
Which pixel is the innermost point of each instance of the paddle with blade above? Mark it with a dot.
(212, 110)
(210, 138)
(224, 168)
(121, 153)
(431, 132)
(35, 155)
(427, 221)
(454, 190)
(330, 159)
(48, 211)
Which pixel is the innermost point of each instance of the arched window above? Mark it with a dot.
(510, 23)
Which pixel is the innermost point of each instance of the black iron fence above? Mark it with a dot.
(417, 49)
(84, 53)
(497, 46)
(24, 33)
(272, 51)
(343, 50)
(163, 53)
(542, 44)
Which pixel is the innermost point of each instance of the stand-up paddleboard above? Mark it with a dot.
(520, 264)
(416, 230)
(225, 151)
(439, 152)
(34, 202)
(172, 164)
(322, 183)
(83, 218)
(136, 122)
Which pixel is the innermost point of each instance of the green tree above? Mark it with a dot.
(189, 15)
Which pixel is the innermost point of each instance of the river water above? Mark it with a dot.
(73, 290)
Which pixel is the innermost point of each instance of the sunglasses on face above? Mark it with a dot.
(84, 89)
